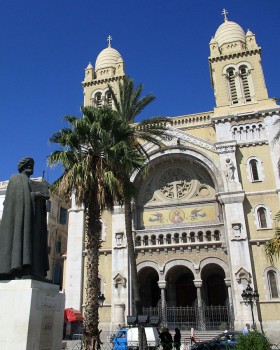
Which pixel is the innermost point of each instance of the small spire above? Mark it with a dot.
(109, 39)
(224, 12)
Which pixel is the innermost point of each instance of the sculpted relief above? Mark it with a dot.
(178, 182)
(180, 194)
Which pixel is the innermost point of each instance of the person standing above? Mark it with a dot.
(246, 329)
(177, 339)
(166, 339)
(192, 336)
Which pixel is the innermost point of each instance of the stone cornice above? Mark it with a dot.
(258, 193)
(179, 229)
(232, 55)
(258, 242)
(76, 210)
(246, 115)
(251, 143)
(225, 146)
(231, 197)
(101, 81)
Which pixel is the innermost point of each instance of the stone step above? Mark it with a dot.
(199, 336)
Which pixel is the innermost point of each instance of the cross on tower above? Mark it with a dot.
(224, 12)
(109, 39)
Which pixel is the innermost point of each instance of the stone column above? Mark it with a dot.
(201, 320)
(162, 286)
(119, 318)
(238, 250)
(230, 305)
(75, 260)
(121, 299)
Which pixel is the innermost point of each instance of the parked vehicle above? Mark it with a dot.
(128, 339)
(226, 340)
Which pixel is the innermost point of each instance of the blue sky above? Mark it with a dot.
(45, 46)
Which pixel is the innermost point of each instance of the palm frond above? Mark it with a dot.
(277, 136)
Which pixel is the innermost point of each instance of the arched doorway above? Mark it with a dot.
(180, 287)
(149, 290)
(214, 290)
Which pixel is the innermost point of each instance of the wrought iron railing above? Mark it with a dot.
(200, 317)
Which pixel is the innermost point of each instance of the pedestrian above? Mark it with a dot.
(192, 336)
(166, 339)
(246, 329)
(177, 339)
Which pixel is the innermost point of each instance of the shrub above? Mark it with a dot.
(252, 341)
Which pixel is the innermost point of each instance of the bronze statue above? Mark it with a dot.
(23, 231)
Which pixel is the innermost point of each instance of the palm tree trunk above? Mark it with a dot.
(134, 276)
(132, 256)
(93, 227)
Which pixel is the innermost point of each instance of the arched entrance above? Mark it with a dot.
(149, 290)
(214, 290)
(180, 287)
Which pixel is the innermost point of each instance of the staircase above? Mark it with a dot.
(199, 336)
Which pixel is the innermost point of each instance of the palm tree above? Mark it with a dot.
(277, 136)
(128, 104)
(87, 156)
(272, 247)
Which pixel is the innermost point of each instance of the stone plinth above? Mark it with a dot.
(32, 315)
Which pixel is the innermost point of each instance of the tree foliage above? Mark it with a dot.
(99, 152)
(252, 340)
(277, 136)
(128, 104)
(89, 153)
(272, 247)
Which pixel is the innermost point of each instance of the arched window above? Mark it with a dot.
(208, 236)
(153, 240)
(272, 284)
(184, 237)
(232, 85)
(160, 239)
(243, 72)
(262, 217)
(254, 169)
(216, 235)
(108, 99)
(146, 240)
(98, 99)
(200, 236)
(138, 241)
(176, 238)
(168, 238)
(192, 237)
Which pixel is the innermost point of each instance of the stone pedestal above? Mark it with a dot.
(32, 315)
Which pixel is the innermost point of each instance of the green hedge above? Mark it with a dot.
(252, 341)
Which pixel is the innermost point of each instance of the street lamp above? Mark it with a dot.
(251, 298)
(101, 299)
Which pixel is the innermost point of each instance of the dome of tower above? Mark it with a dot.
(229, 32)
(108, 57)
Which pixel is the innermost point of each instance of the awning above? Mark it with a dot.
(71, 315)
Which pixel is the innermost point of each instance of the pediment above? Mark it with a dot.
(243, 275)
(119, 280)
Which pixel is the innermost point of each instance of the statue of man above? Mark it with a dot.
(23, 231)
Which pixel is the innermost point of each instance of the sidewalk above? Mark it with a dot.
(71, 344)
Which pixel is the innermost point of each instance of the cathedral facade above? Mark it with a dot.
(205, 210)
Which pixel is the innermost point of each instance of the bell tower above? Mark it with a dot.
(109, 69)
(236, 70)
